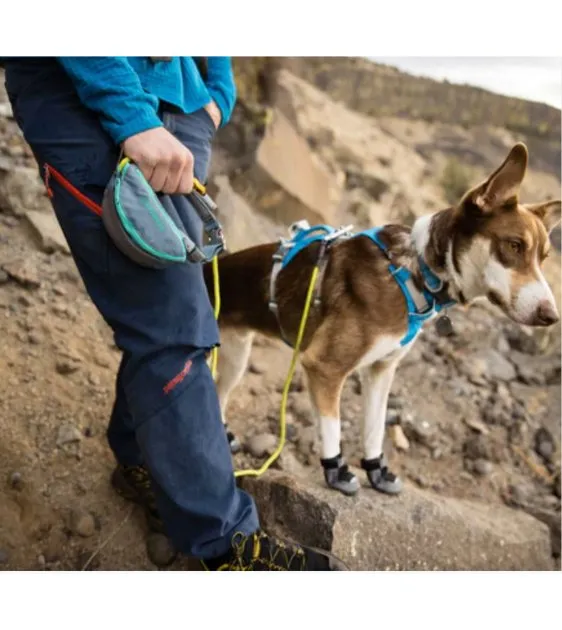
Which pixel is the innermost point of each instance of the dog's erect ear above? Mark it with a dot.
(503, 185)
(549, 212)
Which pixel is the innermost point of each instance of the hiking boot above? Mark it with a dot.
(133, 483)
(261, 552)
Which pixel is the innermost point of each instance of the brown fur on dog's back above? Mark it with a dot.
(350, 299)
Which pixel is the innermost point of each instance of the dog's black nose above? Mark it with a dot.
(546, 314)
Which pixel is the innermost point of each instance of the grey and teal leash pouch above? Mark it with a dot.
(149, 233)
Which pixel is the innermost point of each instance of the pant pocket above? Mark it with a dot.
(80, 219)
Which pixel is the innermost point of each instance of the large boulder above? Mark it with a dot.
(418, 530)
(287, 181)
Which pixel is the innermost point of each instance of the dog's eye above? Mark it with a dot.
(515, 246)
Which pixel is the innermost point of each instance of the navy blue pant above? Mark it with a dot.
(166, 413)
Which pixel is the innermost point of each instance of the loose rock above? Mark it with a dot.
(4, 556)
(24, 272)
(288, 462)
(395, 402)
(68, 434)
(15, 481)
(25, 300)
(307, 441)
(476, 447)
(400, 441)
(48, 231)
(82, 523)
(6, 110)
(544, 444)
(255, 368)
(419, 430)
(65, 367)
(476, 425)
(292, 432)
(34, 339)
(261, 444)
(521, 340)
(498, 367)
(302, 411)
(160, 550)
(483, 467)
(21, 189)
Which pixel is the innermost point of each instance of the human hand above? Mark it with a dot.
(164, 161)
(214, 112)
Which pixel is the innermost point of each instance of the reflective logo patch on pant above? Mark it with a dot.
(178, 378)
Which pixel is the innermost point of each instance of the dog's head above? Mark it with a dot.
(497, 245)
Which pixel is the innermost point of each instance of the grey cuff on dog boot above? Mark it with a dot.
(380, 477)
(338, 476)
(233, 442)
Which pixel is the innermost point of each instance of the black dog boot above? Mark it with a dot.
(380, 477)
(233, 442)
(338, 475)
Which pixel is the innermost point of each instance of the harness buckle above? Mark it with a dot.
(341, 231)
(435, 289)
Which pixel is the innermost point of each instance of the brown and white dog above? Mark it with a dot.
(488, 245)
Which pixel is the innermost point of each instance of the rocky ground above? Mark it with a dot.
(479, 411)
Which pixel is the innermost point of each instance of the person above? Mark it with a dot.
(80, 115)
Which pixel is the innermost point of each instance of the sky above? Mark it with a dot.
(531, 78)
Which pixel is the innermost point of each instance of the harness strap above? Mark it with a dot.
(303, 236)
(273, 306)
(421, 304)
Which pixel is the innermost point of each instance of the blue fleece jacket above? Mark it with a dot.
(126, 91)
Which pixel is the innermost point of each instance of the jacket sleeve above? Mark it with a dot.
(110, 87)
(221, 85)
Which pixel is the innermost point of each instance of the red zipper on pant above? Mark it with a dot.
(52, 172)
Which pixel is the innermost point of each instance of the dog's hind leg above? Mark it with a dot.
(234, 353)
(325, 382)
(376, 383)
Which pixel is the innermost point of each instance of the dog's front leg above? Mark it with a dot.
(325, 384)
(377, 380)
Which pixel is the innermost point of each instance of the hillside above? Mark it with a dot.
(383, 91)
(337, 141)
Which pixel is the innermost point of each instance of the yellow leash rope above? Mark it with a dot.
(282, 415)
(217, 310)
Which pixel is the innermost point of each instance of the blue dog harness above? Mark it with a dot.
(422, 305)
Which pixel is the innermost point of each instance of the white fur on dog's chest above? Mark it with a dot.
(385, 348)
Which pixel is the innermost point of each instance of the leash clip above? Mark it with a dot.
(205, 208)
